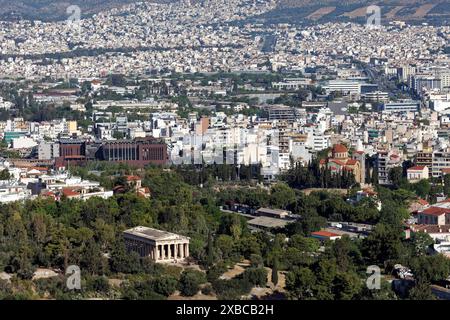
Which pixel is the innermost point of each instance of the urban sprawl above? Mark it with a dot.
(198, 87)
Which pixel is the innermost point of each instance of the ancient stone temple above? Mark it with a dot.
(161, 246)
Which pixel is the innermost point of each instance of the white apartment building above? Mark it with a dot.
(445, 80)
(23, 143)
(440, 102)
(317, 140)
(299, 151)
(386, 161)
(417, 173)
(404, 72)
(402, 106)
(13, 191)
(344, 86)
(376, 96)
(291, 84)
(5, 105)
(441, 160)
(48, 150)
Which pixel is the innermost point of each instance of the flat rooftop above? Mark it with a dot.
(267, 222)
(273, 211)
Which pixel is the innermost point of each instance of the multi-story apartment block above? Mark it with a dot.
(48, 150)
(441, 160)
(386, 161)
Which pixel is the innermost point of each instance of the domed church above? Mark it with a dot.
(339, 160)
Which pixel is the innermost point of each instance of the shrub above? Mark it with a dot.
(165, 285)
(216, 271)
(255, 276)
(98, 284)
(231, 289)
(256, 261)
(190, 282)
(207, 290)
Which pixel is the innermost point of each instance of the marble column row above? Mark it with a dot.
(171, 251)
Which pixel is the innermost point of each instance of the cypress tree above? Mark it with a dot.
(210, 256)
(275, 273)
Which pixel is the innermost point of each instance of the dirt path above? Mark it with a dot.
(199, 296)
(238, 269)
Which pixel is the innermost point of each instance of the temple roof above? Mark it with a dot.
(154, 234)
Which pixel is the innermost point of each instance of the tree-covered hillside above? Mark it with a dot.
(47, 234)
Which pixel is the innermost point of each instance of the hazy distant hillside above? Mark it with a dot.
(348, 2)
(53, 9)
(49, 9)
(288, 11)
(316, 11)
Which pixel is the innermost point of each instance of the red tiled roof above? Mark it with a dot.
(435, 211)
(48, 194)
(133, 178)
(370, 191)
(339, 148)
(351, 162)
(70, 193)
(325, 234)
(118, 189)
(417, 168)
(423, 202)
(427, 228)
(39, 168)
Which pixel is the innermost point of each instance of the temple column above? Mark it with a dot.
(180, 248)
(186, 250)
(175, 247)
